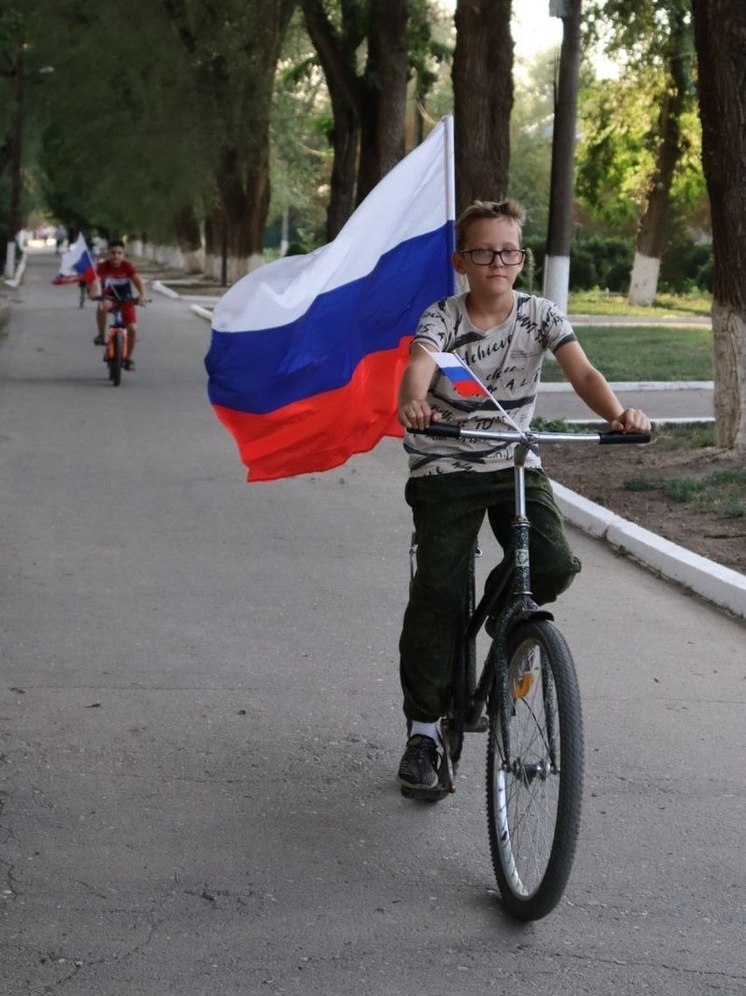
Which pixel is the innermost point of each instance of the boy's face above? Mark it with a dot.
(115, 255)
(489, 233)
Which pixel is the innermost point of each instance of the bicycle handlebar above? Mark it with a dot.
(624, 437)
(510, 435)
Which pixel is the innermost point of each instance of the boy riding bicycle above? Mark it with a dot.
(503, 336)
(113, 290)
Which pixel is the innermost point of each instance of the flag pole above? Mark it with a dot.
(458, 282)
(450, 177)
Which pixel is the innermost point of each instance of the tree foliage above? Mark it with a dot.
(656, 41)
(157, 118)
(369, 51)
(148, 137)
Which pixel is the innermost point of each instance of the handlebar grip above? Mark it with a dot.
(624, 437)
(436, 429)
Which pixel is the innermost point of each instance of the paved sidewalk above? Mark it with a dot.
(201, 721)
(664, 402)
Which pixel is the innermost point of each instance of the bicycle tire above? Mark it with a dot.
(534, 807)
(115, 361)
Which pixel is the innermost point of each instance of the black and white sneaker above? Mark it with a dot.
(419, 766)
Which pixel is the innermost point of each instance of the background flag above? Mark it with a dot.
(307, 352)
(76, 264)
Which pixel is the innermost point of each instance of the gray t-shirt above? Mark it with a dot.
(507, 359)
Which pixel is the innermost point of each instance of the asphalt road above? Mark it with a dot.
(200, 722)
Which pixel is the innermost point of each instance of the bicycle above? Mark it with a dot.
(116, 344)
(527, 700)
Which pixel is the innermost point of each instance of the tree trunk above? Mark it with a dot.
(644, 280)
(562, 185)
(383, 102)
(214, 248)
(243, 184)
(16, 181)
(345, 148)
(190, 241)
(720, 39)
(243, 175)
(337, 53)
(377, 96)
(243, 91)
(483, 99)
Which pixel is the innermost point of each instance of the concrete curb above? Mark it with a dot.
(198, 309)
(202, 312)
(720, 585)
(642, 385)
(162, 288)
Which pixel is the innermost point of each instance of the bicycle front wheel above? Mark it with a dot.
(115, 359)
(535, 780)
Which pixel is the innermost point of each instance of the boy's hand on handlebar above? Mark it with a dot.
(631, 420)
(417, 415)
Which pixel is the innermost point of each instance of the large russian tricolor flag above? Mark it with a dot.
(76, 264)
(307, 352)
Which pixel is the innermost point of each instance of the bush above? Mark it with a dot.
(704, 278)
(686, 266)
(594, 262)
(599, 262)
(606, 263)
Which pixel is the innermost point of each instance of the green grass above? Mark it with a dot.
(721, 493)
(686, 437)
(597, 302)
(645, 352)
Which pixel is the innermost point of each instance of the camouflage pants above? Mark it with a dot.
(448, 512)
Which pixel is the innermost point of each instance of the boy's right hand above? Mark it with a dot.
(417, 415)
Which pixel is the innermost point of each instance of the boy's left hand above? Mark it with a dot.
(631, 420)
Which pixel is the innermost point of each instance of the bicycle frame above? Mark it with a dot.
(116, 323)
(112, 355)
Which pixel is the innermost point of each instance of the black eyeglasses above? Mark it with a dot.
(486, 257)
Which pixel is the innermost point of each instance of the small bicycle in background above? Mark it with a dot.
(528, 701)
(116, 345)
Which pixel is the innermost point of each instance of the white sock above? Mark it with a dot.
(425, 730)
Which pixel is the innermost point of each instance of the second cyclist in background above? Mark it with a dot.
(115, 277)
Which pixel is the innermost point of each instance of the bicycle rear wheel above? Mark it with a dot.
(534, 795)
(115, 358)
